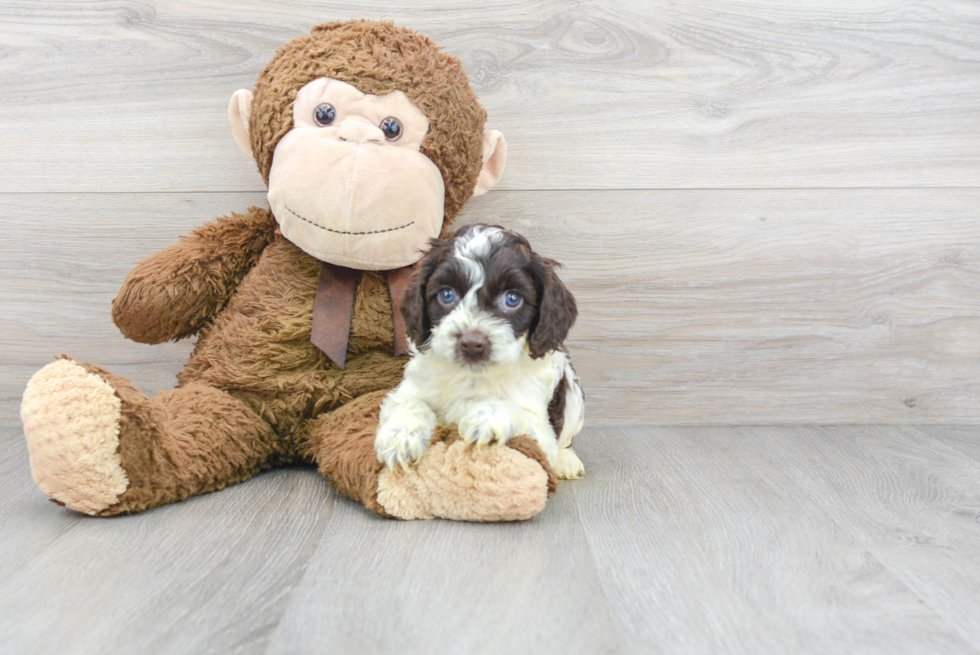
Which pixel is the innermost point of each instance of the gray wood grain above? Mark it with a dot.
(679, 540)
(696, 307)
(452, 588)
(781, 306)
(911, 500)
(132, 96)
(964, 438)
(30, 522)
(209, 575)
(699, 554)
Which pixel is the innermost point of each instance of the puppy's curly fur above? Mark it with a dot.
(487, 317)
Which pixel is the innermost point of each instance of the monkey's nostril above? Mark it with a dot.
(360, 132)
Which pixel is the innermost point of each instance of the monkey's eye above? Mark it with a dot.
(392, 128)
(447, 296)
(513, 300)
(324, 114)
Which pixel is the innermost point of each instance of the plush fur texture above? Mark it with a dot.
(511, 483)
(173, 294)
(256, 392)
(74, 417)
(345, 194)
(480, 299)
(377, 58)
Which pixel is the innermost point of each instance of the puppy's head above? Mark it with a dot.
(481, 296)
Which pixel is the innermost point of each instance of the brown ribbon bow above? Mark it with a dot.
(333, 309)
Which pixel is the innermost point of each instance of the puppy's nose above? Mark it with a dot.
(474, 346)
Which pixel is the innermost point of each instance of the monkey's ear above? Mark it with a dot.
(494, 159)
(239, 113)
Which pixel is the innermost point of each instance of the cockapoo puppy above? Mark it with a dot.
(487, 318)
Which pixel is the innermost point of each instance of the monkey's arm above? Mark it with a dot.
(171, 294)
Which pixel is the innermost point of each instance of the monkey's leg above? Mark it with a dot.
(452, 480)
(99, 446)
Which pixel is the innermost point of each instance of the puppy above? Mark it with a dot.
(486, 317)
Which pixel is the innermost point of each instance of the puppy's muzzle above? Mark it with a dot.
(473, 347)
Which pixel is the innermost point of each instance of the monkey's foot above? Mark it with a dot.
(501, 482)
(71, 420)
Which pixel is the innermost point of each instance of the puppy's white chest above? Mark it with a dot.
(452, 390)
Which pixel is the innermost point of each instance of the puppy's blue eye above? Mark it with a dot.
(512, 300)
(447, 296)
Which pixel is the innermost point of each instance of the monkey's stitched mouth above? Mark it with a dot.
(306, 220)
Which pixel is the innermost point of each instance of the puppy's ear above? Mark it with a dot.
(556, 308)
(417, 324)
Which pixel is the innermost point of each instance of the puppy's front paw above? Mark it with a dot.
(487, 422)
(402, 442)
(568, 466)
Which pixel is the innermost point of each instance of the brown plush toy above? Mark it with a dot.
(371, 141)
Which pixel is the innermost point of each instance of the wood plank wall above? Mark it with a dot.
(769, 211)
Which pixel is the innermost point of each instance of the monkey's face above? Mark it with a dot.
(348, 183)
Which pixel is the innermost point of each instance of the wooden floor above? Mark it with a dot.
(694, 540)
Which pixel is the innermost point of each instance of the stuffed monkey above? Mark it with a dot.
(371, 141)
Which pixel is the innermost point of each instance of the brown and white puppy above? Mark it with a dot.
(487, 318)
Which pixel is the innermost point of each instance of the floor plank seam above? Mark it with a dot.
(623, 621)
(875, 552)
(333, 497)
(952, 446)
(287, 596)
